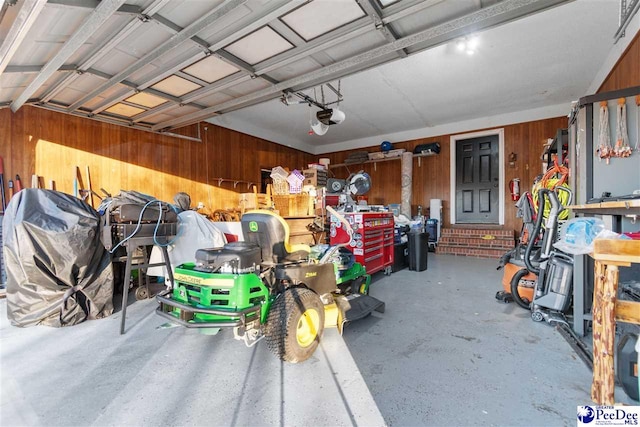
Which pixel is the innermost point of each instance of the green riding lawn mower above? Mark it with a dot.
(263, 287)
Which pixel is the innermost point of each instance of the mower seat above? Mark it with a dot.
(271, 232)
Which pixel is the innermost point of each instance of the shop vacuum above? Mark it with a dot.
(552, 293)
(554, 287)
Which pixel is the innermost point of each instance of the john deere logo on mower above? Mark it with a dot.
(253, 226)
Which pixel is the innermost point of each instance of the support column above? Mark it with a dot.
(407, 183)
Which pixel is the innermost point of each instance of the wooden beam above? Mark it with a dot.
(628, 311)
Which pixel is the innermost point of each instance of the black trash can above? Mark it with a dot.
(418, 250)
(400, 257)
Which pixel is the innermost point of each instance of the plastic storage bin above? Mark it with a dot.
(432, 229)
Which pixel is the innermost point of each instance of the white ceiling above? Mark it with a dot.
(534, 66)
(160, 64)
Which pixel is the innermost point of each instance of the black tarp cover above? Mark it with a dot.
(58, 272)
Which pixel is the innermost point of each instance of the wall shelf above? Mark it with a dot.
(384, 159)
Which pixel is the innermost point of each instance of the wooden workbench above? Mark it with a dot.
(618, 207)
(612, 214)
(609, 255)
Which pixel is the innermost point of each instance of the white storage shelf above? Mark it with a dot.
(385, 159)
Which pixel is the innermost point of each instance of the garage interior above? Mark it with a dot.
(314, 112)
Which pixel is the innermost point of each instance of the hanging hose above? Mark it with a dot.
(556, 177)
(515, 282)
(536, 230)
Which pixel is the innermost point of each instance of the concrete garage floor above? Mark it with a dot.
(444, 353)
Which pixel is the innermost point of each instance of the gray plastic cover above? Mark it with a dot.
(58, 272)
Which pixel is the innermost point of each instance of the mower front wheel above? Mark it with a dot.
(295, 325)
(360, 286)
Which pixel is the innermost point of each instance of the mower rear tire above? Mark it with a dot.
(295, 325)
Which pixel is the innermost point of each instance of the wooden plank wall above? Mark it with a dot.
(431, 180)
(626, 72)
(431, 177)
(50, 144)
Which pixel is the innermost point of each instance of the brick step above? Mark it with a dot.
(477, 233)
(475, 242)
(503, 244)
(471, 252)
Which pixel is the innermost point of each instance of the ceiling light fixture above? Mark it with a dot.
(467, 44)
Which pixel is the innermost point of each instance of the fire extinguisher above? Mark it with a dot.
(514, 186)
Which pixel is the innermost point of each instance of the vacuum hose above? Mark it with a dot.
(536, 231)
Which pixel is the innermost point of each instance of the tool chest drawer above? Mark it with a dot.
(372, 242)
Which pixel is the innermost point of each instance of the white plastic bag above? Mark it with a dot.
(577, 235)
(194, 232)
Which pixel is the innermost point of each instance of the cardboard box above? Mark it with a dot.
(315, 177)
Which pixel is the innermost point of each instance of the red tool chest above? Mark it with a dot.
(372, 242)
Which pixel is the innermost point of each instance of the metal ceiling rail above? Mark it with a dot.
(243, 66)
(221, 84)
(342, 34)
(32, 69)
(234, 33)
(141, 88)
(481, 19)
(177, 39)
(371, 8)
(133, 91)
(98, 16)
(400, 10)
(191, 78)
(128, 9)
(243, 27)
(326, 41)
(25, 18)
(103, 48)
(302, 50)
(206, 48)
(285, 31)
(626, 14)
(113, 121)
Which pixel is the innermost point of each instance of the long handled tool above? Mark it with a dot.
(90, 198)
(76, 188)
(17, 185)
(4, 200)
(35, 181)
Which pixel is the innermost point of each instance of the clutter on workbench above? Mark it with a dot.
(132, 214)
